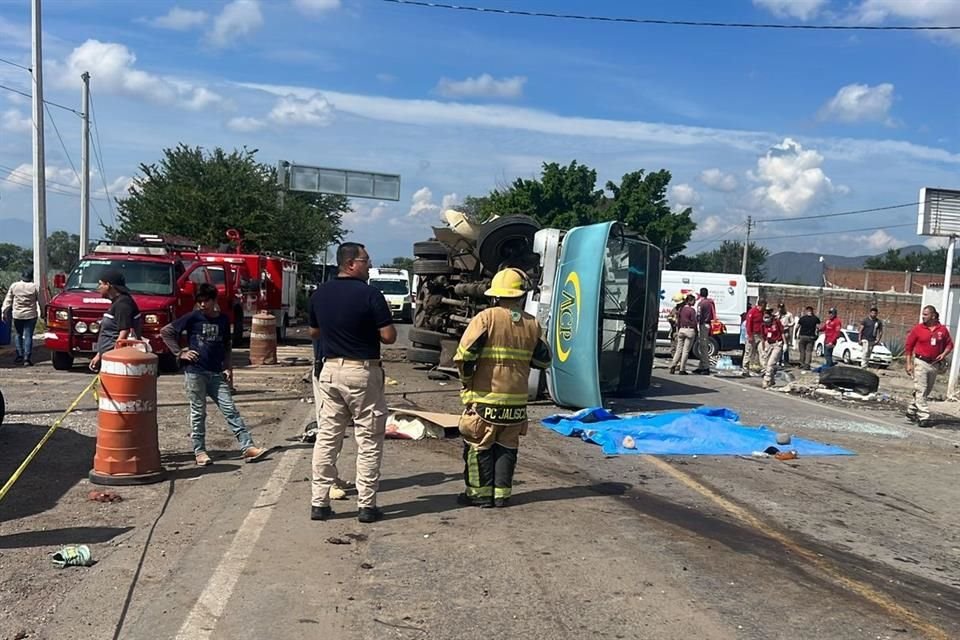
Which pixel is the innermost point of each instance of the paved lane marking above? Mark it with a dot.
(862, 589)
(211, 604)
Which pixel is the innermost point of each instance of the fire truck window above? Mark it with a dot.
(216, 276)
(198, 275)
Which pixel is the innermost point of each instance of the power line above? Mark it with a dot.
(67, 153)
(675, 23)
(26, 183)
(842, 213)
(716, 237)
(16, 64)
(52, 104)
(28, 176)
(822, 233)
(97, 149)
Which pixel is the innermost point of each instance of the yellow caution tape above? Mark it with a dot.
(16, 474)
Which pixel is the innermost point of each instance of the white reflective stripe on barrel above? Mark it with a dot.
(128, 369)
(131, 406)
(270, 337)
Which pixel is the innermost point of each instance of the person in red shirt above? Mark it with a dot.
(928, 345)
(751, 358)
(831, 333)
(772, 338)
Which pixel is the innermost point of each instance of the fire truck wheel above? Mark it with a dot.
(62, 361)
(167, 363)
(423, 356)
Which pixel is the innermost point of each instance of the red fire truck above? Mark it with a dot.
(162, 275)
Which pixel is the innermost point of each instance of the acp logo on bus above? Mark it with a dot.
(568, 320)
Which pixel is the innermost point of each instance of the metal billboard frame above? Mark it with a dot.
(939, 212)
(340, 182)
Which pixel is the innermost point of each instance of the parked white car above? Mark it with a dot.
(849, 351)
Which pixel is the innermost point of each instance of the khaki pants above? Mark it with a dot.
(350, 392)
(866, 348)
(771, 360)
(751, 356)
(685, 338)
(703, 343)
(924, 375)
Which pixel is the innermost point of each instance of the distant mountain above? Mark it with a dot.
(792, 267)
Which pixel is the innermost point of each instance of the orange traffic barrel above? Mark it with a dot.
(263, 339)
(128, 449)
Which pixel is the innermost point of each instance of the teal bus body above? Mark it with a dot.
(604, 315)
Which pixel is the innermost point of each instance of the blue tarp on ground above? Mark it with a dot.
(707, 431)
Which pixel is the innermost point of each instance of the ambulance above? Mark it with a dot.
(394, 284)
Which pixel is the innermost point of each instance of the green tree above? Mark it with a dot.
(14, 257)
(640, 203)
(894, 260)
(62, 251)
(400, 262)
(199, 195)
(567, 196)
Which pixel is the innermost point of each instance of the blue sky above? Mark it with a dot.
(766, 123)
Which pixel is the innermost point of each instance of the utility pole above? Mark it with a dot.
(746, 248)
(39, 168)
(85, 167)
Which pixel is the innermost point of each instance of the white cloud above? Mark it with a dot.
(935, 243)
(434, 114)
(316, 6)
(860, 103)
(422, 204)
(683, 196)
(178, 19)
(238, 18)
(483, 86)
(365, 213)
(792, 179)
(14, 121)
(802, 9)
(879, 240)
(22, 175)
(244, 124)
(118, 188)
(718, 180)
(915, 12)
(111, 67)
(709, 226)
(315, 110)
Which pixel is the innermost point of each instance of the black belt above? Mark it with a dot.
(927, 360)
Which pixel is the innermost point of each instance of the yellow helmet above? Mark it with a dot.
(508, 283)
(678, 297)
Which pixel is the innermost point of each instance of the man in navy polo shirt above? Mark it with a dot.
(353, 320)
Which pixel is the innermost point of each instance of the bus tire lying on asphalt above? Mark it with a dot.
(860, 380)
(426, 338)
(423, 356)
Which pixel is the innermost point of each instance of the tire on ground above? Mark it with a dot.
(423, 356)
(423, 267)
(860, 380)
(430, 249)
(426, 338)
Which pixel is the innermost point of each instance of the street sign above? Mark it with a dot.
(341, 182)
(939, 213)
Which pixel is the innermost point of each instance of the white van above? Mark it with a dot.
(727, 290)
(395, 286)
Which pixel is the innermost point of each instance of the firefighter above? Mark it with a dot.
(494, 358)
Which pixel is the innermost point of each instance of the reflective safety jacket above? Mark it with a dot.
(494, 358)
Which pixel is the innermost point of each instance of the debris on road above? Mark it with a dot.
(73, 556)
(336, 540)
(407, 424)
(103, 496)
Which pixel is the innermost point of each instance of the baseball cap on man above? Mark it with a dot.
(116, 279)
(833, 310)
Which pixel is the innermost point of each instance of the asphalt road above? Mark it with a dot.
(628, 547)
